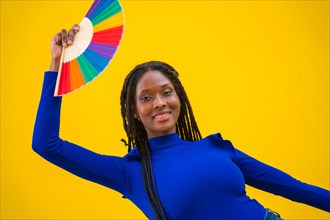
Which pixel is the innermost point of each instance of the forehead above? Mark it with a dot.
(152, 79)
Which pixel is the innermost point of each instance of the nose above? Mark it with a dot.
(159, 102)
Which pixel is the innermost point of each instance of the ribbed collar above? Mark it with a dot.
(160, 142)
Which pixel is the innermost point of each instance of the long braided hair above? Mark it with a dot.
(186, 126)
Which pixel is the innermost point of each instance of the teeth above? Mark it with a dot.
(161, 116)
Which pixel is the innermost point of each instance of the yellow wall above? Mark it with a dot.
(256, 71)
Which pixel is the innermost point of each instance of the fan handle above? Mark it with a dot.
(59, 72)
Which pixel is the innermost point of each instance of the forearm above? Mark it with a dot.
(54, 65)
(270, 179)
(46, 129)
(280, 183)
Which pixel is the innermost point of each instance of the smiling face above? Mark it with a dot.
(157, 104)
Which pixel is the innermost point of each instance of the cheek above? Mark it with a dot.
(175, 102)
(142, 109)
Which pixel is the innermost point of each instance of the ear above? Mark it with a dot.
(136, 116)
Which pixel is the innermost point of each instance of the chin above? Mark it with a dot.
(161, 131)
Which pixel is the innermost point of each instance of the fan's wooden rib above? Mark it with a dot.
(59, 72)
(81, 41)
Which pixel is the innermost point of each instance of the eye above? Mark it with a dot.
(168, 92)
(145, 98)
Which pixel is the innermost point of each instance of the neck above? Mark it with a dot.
(165, 141)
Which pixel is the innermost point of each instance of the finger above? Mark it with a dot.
(58, 38)
(76, 27)
(71, 34)
(64, 35)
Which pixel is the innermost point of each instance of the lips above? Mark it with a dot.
(162, 116)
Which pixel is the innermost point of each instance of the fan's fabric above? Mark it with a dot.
(94, 46)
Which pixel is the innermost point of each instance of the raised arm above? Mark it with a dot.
(270, 179)
(106, 170)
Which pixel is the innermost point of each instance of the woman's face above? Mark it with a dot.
(157, 104)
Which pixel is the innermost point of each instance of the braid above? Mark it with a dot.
(186, 126)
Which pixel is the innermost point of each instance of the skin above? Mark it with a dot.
(62, 39)
(157, 104)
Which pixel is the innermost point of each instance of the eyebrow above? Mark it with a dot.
(147, 90)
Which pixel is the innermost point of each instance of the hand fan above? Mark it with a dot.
(94, 46)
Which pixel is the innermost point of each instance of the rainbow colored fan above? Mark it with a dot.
(94, 46)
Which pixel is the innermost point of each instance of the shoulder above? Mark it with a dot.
(218, 141)
(132, 155)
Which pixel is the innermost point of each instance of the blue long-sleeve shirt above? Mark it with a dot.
(195, 180)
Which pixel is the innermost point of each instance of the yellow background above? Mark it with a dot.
(256, 71)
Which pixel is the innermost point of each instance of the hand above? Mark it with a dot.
(62, 39)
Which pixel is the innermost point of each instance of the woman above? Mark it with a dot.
(172, 173)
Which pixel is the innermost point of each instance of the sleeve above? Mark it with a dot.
(270, 179)
(105, 170)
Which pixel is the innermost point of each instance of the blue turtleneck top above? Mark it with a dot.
(195, 180)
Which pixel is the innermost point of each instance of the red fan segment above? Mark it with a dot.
(64, 86)
(110, 37)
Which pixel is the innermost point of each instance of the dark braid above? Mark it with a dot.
(186, 126)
